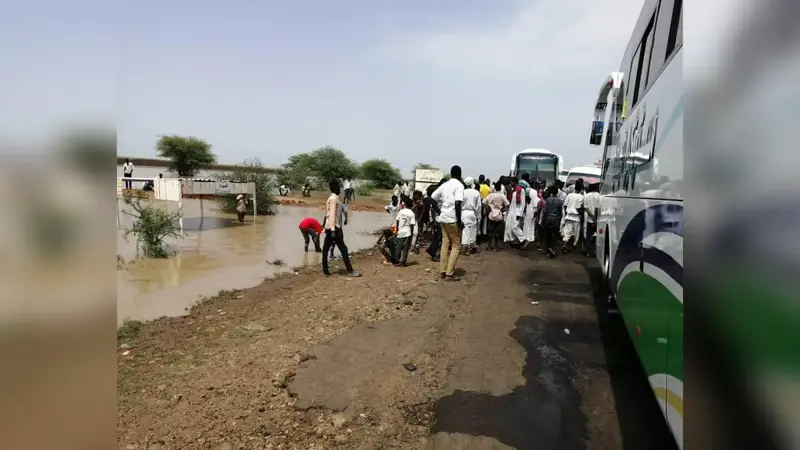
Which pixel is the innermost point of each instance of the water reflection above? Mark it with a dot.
(224, 255)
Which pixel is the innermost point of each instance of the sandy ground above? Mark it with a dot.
(510, 356)
(374, 202)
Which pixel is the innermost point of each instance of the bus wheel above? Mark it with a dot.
(611, 303)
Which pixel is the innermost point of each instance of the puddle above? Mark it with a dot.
(224, 255)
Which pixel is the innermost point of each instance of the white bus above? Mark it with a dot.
(640, 234)
(590, 174)
(537, 162)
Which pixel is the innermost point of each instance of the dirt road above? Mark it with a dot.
(511, 356)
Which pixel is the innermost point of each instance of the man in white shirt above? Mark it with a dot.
(397, 190)
(591, 206)
(348, 190)
(406, 189)
(450, 195)
(127, 172)
(406, 230)
(572, 217)
(561, 194)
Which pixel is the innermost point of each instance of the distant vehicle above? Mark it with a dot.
(640, 225)
(563, 175)
(590, 174)
(537, 162)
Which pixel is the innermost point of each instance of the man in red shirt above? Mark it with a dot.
(311, 230)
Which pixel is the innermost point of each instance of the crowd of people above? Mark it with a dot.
(460, 216)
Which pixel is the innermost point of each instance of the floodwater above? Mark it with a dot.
(220, 253)
(153, 172)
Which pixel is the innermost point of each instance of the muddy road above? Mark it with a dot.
(510, 357)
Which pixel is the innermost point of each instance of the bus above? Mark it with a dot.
(537, 162)
(563, 175)
(640, 225)
(590, 174)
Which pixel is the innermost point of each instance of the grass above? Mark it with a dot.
(129, 330)
(225, 294)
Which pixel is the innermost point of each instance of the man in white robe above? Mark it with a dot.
(529, 223)
(470, 216)
(516, 212)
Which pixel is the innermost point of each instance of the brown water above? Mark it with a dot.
(224, 255)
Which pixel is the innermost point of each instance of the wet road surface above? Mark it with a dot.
(312, 362)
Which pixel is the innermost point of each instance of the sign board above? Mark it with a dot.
(426, 177)
(222, 187)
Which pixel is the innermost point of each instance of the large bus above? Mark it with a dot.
(640, 227)
(537, 162)
(590, 174)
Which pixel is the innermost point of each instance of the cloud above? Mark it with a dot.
(542, 40)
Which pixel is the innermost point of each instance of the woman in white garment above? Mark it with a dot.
(470, 216)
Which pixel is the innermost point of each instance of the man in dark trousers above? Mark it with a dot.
(553, 211)
(333, 222)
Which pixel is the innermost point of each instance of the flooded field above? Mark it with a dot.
(220, 253)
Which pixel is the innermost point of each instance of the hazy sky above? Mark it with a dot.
(443, 82)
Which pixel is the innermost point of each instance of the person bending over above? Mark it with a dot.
(311, 230)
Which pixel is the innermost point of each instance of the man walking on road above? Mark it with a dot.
(334, 235)
(451, 196)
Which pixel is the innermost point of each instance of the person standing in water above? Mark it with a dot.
(241, 207)
(311, 230)
(335, 218)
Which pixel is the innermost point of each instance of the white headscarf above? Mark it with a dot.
(470, 182)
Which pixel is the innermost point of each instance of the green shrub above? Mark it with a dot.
(151, 226)
(251, 171)
(364, 189)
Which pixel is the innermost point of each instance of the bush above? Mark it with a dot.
(251, 171)
(364, 189)
(381, 172)
(151, 226)
(293, 178)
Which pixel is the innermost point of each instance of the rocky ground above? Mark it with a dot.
(510, 356)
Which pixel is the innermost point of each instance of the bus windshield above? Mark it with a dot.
(542, 166)
(588, 178)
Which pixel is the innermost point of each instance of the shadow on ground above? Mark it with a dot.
(546, 411)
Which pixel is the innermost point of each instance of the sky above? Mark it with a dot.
(445, 82)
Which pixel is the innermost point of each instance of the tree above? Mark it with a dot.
(188, 155)
(323, 164)
(297, 171)
(328, 163)
(251, 171)
(425, 166)
(380, 172)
